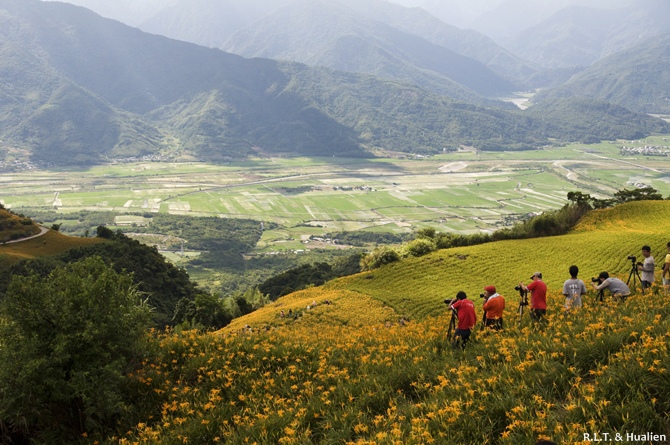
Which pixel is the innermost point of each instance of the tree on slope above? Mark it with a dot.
(67, 345)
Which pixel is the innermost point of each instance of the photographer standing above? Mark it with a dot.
(467, 318)
(647, 267)
(538, 296)
(493, 308)
(573, 289)
(618, 288)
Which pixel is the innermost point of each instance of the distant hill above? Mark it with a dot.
(130, 12)
(80, 89)
(509, 17)
(419, 22)
(637, 78)
(416, 287)
(591, 120)
(208, 22)
(579, 36)
(322, 33)
(212, 22)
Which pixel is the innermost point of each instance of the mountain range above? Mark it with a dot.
(76, 88)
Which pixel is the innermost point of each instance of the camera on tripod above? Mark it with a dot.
(522, 292)
(448, 301)
(632, 258)
(595, 280)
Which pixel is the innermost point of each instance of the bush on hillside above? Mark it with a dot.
(379, 257)
(420, 247)
(68, 342)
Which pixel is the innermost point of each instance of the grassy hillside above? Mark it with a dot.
(50, 244)
(13, 227)
(416, 287)
(338, 374)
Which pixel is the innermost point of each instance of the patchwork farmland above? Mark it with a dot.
(461, 192)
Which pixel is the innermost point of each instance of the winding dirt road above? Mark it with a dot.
(43, 230)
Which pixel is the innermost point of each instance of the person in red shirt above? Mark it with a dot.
(467, 318)
(493, 308)
(538, 297)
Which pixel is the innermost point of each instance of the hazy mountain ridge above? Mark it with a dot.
(321, 33)
(637, 78)
(206, 22)
(80, 89)
(580, 35)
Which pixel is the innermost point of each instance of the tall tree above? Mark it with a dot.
(67, 345)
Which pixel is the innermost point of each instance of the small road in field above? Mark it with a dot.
(43, 230)
(569, 174)
(643, 167)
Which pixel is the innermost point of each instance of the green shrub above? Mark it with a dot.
(420, 247)
(379, 257)
(68, 344)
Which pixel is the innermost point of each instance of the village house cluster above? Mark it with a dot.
(647, 150)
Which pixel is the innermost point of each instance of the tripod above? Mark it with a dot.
(634, 274)
(452, 324)
(523, 302)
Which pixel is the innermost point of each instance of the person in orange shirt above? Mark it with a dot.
(494, 305)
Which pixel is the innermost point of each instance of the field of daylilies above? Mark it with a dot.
(370, 362)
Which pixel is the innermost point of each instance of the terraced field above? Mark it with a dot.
(416, 287)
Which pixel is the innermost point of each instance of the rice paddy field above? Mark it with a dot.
(462, 192)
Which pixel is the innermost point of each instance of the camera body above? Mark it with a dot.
(482, 295)
(595, 280)
(521, 290)
(632, 258)
(448, 301)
